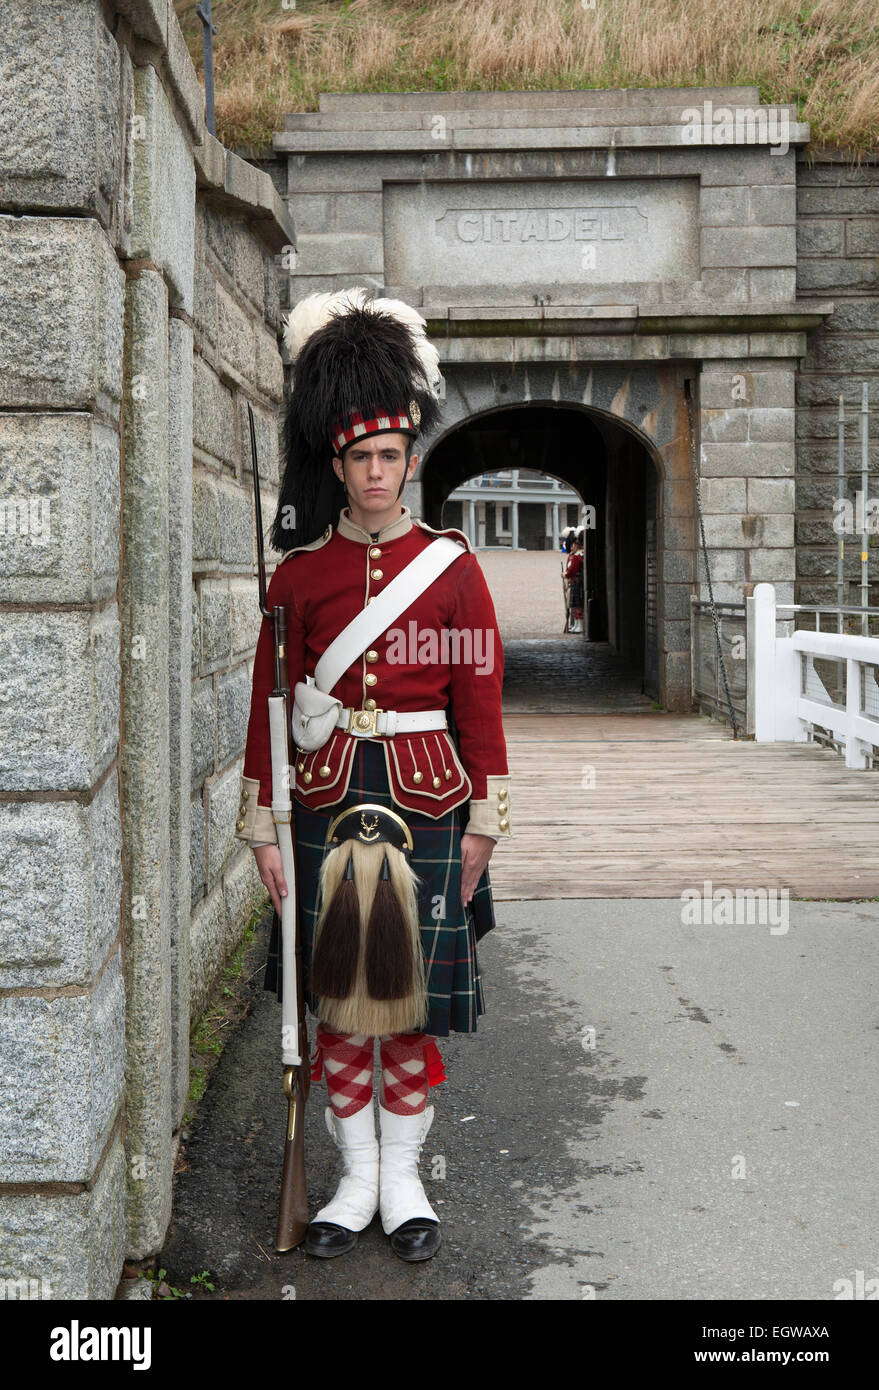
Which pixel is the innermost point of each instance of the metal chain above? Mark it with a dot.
(698, 482)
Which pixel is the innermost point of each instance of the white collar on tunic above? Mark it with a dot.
(398, 527)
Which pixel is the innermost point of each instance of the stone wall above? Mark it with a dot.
(139, 293)
(837, 256)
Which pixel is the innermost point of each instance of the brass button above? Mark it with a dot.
(448, 774)
(242, 809)
(307, 778)
(325, 771)
(377, 574)
(502, 794)
(239, 825)
(372, 654)
(370, 678)
(371, 599)
(418, 777)
(301, 767)
(503, 824)
(245, 794)
(369, 704)
(437, 782)
(374, 552)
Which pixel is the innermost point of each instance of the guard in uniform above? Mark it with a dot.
(574, 573)
(398, 810)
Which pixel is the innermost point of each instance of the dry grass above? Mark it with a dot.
(269, 60)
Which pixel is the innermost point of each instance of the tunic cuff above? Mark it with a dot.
(491, 816)
(254, 823)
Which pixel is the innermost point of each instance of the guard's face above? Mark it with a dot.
(373, 469)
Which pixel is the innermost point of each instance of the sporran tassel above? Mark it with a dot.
(337, 941)
(388, 943)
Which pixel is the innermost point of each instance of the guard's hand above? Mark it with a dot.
(476, 850)
(271, 871)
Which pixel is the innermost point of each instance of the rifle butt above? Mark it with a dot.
(293, 1211)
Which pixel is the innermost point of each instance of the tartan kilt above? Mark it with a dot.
(454, 984)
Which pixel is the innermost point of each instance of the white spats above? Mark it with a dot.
(402, 1197)
(357, 1196)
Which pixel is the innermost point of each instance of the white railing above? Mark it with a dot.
(791, 700)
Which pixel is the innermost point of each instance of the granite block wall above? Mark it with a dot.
(837, 257)
(139, 292)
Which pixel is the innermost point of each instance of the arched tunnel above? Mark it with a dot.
(615, 474)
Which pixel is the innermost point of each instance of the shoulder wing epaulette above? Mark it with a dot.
(312, 545)
(447, 531)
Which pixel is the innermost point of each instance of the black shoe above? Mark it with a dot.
(417, 1239)
(326, 1239)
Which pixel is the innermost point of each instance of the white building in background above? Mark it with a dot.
(490, 514)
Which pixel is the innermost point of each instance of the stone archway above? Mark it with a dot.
(592, 249)
(617, 436)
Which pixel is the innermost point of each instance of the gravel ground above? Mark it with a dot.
(527, 590)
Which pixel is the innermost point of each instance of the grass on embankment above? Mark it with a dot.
(269, 60)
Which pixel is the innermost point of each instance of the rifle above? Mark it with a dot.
(293, 1212)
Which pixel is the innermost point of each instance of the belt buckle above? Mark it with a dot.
(362, 721)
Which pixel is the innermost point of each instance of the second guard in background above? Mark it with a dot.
(574, 573)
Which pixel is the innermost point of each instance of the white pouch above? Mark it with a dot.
(314, 716)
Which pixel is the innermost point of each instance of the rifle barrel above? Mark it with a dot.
(293, 1211)
(257, 504)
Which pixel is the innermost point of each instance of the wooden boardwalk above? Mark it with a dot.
(645, 805)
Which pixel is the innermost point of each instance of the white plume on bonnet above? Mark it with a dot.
(316, 310)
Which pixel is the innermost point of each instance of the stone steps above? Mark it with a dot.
(364, 140)
(536, 101)
(477, 118)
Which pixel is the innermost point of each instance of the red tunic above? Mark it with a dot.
(444, 647)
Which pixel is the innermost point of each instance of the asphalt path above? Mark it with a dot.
(649, 1110)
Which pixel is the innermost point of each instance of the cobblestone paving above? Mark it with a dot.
(546, 669)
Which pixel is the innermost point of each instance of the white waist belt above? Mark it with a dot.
(366, 723)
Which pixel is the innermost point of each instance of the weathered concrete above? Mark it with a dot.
(680, 1152)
